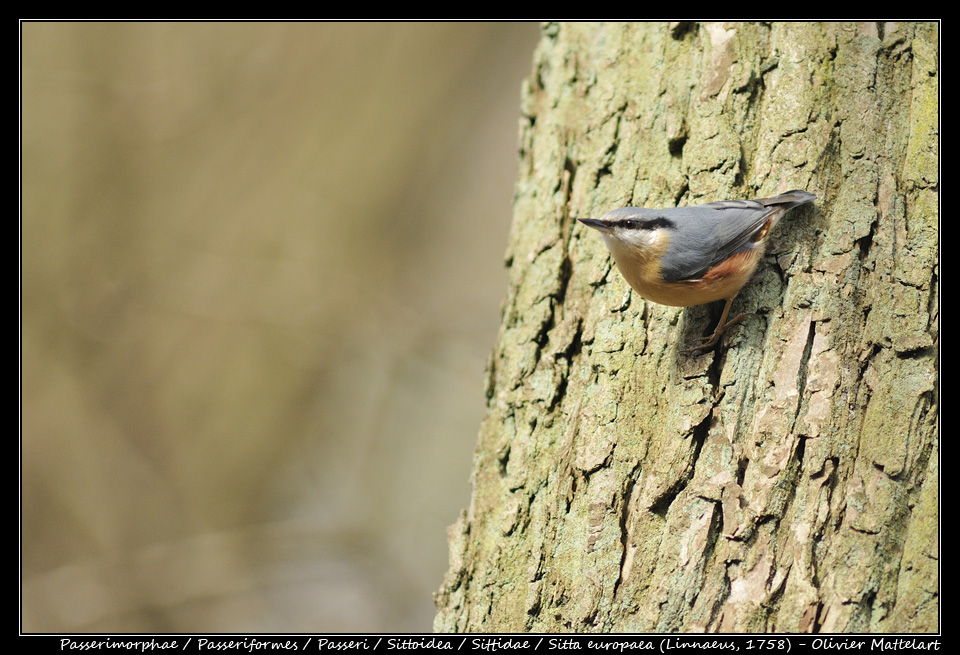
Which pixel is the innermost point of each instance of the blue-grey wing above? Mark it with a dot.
(706, 235)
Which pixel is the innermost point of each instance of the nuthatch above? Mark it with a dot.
(693, 255)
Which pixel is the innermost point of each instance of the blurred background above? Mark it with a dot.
(262, 268)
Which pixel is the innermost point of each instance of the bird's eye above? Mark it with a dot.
(630, 224)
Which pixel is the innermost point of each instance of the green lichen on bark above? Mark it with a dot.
(785, 482)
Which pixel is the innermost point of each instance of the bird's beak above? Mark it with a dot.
(595, 222)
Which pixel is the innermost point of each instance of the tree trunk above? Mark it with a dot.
(785, 482)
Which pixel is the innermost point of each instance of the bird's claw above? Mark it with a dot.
(709, 342)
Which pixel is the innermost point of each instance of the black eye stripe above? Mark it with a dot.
(646, 224)
(659, 221)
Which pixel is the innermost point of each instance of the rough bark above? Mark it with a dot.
(786, 481)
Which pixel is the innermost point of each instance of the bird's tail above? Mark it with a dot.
(788, 199)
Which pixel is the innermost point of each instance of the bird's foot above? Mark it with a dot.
(708, 343)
